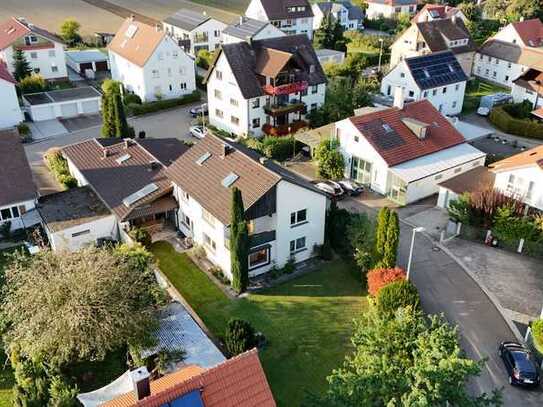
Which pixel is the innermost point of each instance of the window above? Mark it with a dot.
(445, 89)
(494, 74)
(234, 120)
(256, 103)
(457, 87)
(234, 102)
(478, 69)
(510, 184)
(356, 139)
(438, 177)
(155, 73)
(82, 233)
(6, 214)
(160, 56)
(256, 123)
(425, 94)
(170, 87)
(509, 64)
(457, 170)
(299, 217)
(217, 33)
(183, 86)
(314, 89)
(54, 68)
(34, 55)
(487, 71)
(530, 191)
(506, 78)
(411, 93)
(175, 54)
(184, 195)
(209, 218)
(219, 113)
(209, 243)
(454, 104)
(22, 209)
(259, 258)
(218, 94)
(52, 53)
(33, 38)
(402, 75)
(313, 106)
(218, 75)
(185, 220)
(434, 92)
(297, 245)
(440, 108)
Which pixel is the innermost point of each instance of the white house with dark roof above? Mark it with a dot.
(285, 213)
(350, 17)
(194, 31)
(43, 50)
(150, 63)
(390, 8)
(437, 77)
(10, 111)
(248, 30)
(529, 86)
(290, 16)
(265, 87)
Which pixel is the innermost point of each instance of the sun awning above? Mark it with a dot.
(161, 205)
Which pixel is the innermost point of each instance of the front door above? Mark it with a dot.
(361, 171)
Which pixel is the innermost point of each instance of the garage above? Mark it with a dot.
(68, 109)
(89, 59)
(43, 112)
(90, 106)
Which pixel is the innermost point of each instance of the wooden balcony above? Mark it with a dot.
(285, 129)
(282, 109)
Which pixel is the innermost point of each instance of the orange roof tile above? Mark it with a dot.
(10, 31)
(528, 158)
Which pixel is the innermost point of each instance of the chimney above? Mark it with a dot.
(263, 160)
(399, 97)
(226, 149)
(241, 20)
(453, 18)
(126, 143)
(521, 19)
(105, 153)
(132, 17)
(141, 382)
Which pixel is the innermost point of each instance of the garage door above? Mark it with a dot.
(40, 113)
(83, 67)
(90, 107)
(69, 109)
(101, 66)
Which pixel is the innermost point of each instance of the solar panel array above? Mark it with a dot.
(142, 193)
(380, 133)
(434, 70)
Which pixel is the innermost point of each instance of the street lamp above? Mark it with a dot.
(380, 54)
(415, 231)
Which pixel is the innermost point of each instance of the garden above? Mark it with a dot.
(517, 119)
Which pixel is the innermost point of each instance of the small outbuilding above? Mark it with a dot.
(92, 59)
(477, 179)
(330, 56)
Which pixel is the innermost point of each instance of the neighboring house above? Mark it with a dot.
(10, 111)
(194, 31)
(437, 77)
(526, 33)
(17, 190)
(404, 152)
(43, 51)
(529, 86)
(264, 87)
(149, 63)
(432, 12)
(477, 179)
(349, 16)
(290, 16)
(327, 56)
(82, 60)
(435, 36)
(521, 176)
(248, 30)
(390, 8)
(285, 213)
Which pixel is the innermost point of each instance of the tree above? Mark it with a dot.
(69, 31)
(403, 22)
(239, 336)
(142, 236)
(64, 307)
(381, 231)
(239, 243)
(114, 123)
(390, 251)
(121, 126)
(32, 84)
(397, 294)
(471, 10)
(512, 10)
(379, 278)
(21, 66)
(330, 160)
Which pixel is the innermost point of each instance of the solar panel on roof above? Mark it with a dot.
(229, 179)
(192, 399)
(203, 158)
(142, 193)
(433, 70)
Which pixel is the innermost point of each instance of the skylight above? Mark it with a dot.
(142, 193)
(387, 128)
(131, 30)
(203, 158)
(426, 73)
(123, 158)
(229, 179)
(451, 68)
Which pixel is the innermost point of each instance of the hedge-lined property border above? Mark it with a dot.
(519, 127)
(151, 107)
(58, 165)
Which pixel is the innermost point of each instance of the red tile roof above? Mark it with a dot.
(5, 74)
(530, 31)
(10, 31)
(400, 144)
(528, 158)
(443, 11)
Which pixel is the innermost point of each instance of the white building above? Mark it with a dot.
(83, 60)
(432, 12)
(437, 77)
(404, 152)
(194, 31)
(248, 30)
(264, 87)
(390, 8)
(290, 16)
(43, 51)
(149, 63)
(330, 56)
(349, 16)
(10, 111)
(285, 214)
(529, 86)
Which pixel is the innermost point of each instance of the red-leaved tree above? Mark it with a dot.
(378, 278)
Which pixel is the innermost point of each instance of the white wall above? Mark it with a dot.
(523, 177)
(212, 28)
(16, 221)
(101, 228)
(291, 26)
(10, 111)
(269, 31)
(53, 110)
(510, 35)
(520, 94)
(43, 60)
(497, 70)
(376, 10)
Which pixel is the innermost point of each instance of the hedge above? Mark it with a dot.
(537, 334)
(519, 127)
(58, 165)
(398, 294)
(151, 107)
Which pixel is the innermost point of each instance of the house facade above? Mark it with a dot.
(437, 77)
(528, 86)
(43, 50)
(432, 12)
(290, 16)
(248, 30)
(390, 8)
(265, 87)
(349, 16)
(10, 111)
(285, 214)
(194, 31)
(150, 63)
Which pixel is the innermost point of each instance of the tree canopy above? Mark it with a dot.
(239, 243)
(69, 31)
(330, 160)
(512, 10)
(21, 66)
(114, 123)
(330, 35)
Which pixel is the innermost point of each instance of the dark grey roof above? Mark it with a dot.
(71, 208)
(355, 12)
(63, 95)
(394, 2)
(433, 32)
(247, 28)
(277, 9)
(86, 56)
(187, 19)
(165, 150)
(436, 69)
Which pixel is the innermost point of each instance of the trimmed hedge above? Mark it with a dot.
(58, 165)
(151, 107)
(398, 294)
(519, 127)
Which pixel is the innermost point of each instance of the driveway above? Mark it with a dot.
(47, 129)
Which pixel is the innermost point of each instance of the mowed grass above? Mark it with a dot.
(307, 321)
(475, 89)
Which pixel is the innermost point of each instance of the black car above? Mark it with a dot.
(197, 111)
(520, 365)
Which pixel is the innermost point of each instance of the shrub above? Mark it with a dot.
(204, 58)
(32, 84)
(239, 336)
(278, 148)
(330, 161)
(521, 110)
(23, 129)
(380, 277)
(500, 118)
(151, 107)
(537, 334)
(61, 394)
(509, 227)
(5, 229)
(141, 236)
(324, 251)
(58, 165)
(131, 99)
(200, 82)
(395, 295)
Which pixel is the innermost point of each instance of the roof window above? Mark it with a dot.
(131, 30)
(387, 128)
(142, 193)
(123, 158)
(203, 158)
(229, 179)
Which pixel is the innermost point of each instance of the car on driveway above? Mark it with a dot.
(350, 187)
(198, 131)
(332, 188)
(520, 365)
(197, 111)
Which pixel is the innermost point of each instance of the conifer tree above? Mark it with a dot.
(390, 252)
(381, 231)
(239, 244)
(21, 66)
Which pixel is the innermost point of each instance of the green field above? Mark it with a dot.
(307, 321)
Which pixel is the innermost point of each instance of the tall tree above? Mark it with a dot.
(108, 125)
(330, 34)
(114, 123)
(381, 231)
(121, 126)
(69, 31)
(239, 243)
(390, 251)
(21, 66)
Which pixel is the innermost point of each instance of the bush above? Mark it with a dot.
(200, 82)
(151, 107)
(395, 295)
(537, 334)
(141, 236)
(279, 148)
(379, 278)
(204, 58)
(5, 229)
(23, 129)
(58, 165)
(32, 84)
(521, 110)
(330, 160)
(131, 99)
(239, 336)
(500, 118)
(62, 394)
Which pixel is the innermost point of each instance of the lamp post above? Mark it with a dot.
(380, 54)
(415, 231)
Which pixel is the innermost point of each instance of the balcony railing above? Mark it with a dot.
(283, 129)
(286, 89)
(281, 109)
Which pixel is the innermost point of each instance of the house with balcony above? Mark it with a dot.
(194, 31)
(285, 214)
(290, 16)
(264, 87)
(43, 50)
(390, 8)
(432, 12)
(349, 16)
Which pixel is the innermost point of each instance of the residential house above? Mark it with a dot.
(390, 8)
(432, 12)
(264, 87)
(17, 190)
(194, 31)
(150, 63)
(285, 213)
(529, 86)
(43, 50)
(509, 53)
(404, 152)
(248, 30)
(435, 36)
(239, 381)
(437, 77)
(290, 16)
(477, 179)
(10, 111)
(349, 16)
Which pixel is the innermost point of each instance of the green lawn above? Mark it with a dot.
(474, 90)
(307, 321)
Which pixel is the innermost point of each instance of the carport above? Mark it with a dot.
(312, 138)
(92, 59)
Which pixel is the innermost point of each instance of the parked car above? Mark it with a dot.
(198, 131)
(331, 188)
(489, 101)
(197, 111)
(520, 365)
(350, 187)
